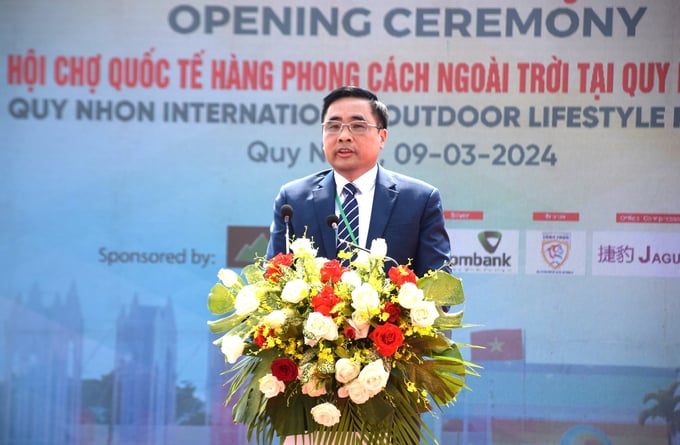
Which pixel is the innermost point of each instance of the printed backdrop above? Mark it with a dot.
(144, 142)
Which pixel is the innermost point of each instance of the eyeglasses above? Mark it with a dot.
(355, 127)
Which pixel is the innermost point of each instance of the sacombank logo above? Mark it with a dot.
(490, 239)
(484, 251)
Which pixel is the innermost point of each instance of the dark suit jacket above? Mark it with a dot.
(407, 213)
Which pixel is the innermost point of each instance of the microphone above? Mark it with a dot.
(332, 221)
(287, 213)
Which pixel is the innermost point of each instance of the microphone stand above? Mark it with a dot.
(332, 220)
(363, 249)
(286, 219)
(287, 212)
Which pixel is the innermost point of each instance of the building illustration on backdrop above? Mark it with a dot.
(144, 394)
(40, 379)
(223, 430)
(43, 357)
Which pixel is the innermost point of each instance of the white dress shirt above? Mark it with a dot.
(365, 185)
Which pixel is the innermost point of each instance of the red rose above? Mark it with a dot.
(284, 369)
(387, 338)
(332, 270)
(325, 301)
(350, 332)
(401, 274)
(273, 272)
(393, 310)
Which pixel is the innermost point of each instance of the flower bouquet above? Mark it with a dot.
(353, 352)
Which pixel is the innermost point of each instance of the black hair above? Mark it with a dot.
(378, 108)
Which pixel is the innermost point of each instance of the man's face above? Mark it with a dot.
(351, 154)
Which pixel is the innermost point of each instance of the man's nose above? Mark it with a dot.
(344, 132)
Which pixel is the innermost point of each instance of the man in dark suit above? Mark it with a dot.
(406, 212)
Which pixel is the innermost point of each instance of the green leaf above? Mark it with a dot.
(252, 273)
(443, 379)
(350, 419)
(220, 299)
(426, 345)
(449, 320)
(240, 375)
(443, 374)
(292, 401)
(248, 405)
(226, 323)
(406, 424)
(252, 402)
(442, 288)
(375, 410)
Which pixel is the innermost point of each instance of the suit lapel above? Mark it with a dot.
(323, 198)
(383, 202)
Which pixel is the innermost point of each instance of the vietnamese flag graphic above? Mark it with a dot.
(499, 344)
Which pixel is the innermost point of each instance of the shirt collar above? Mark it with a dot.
(365, 183)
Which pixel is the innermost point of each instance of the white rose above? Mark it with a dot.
(319, 262)
(303, 247)
(361, 259)
(360, 320)
(361, 325)
(275, 319)
(409, 295)
(314, 387)
(365, 299)
(228, 277)
(356, 392)
(423, 314)
(295, 291)
(321, 326)
(246, 300)
(378, 249)
(270, 386)
(351, 278)
(346, 370)
(326, 414)
(374, 377)
(232, 347)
